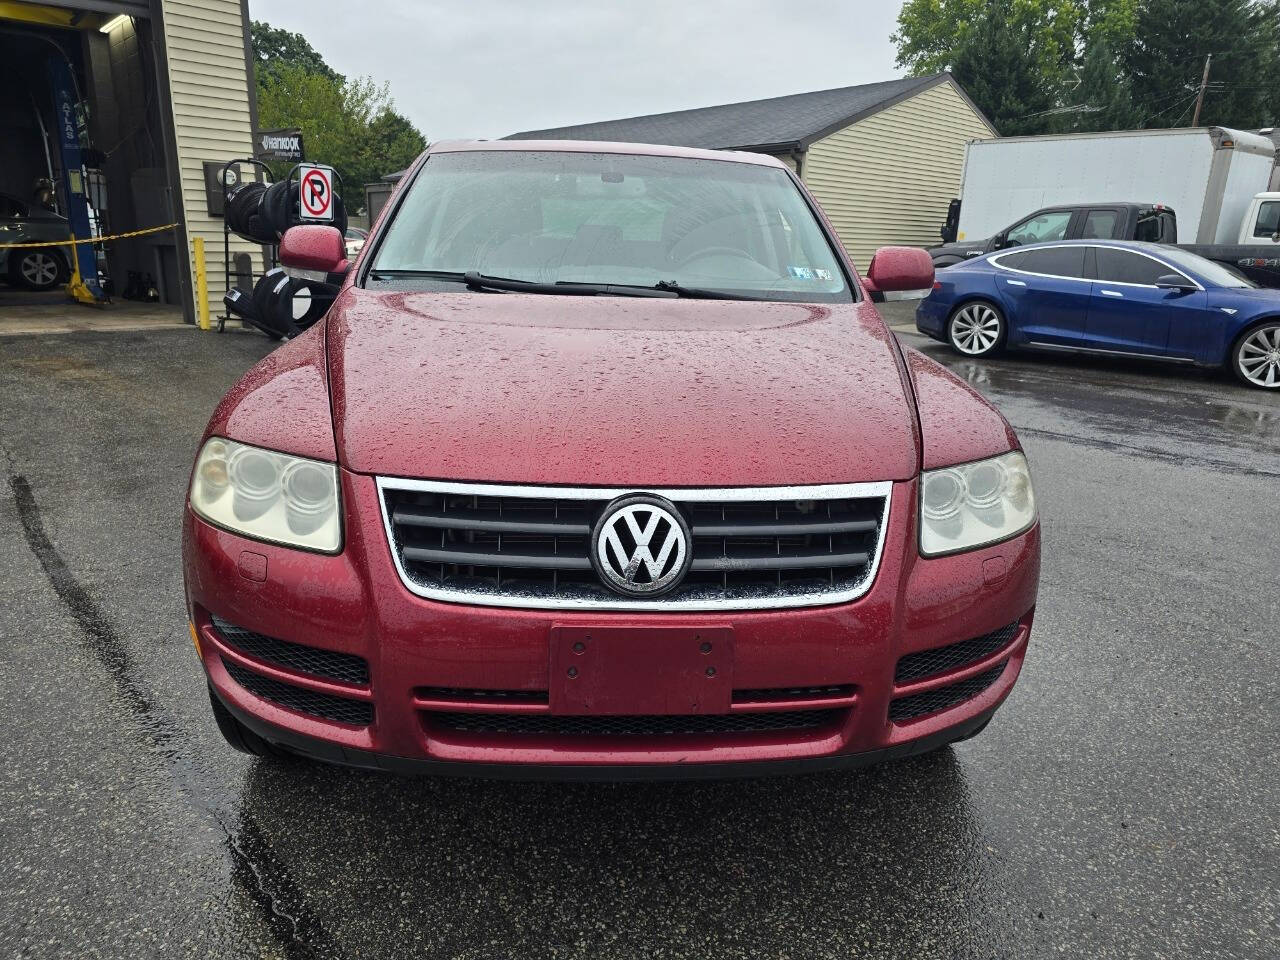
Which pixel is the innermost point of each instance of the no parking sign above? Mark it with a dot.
(315, 192)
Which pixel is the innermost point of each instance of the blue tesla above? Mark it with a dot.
(1108, 297)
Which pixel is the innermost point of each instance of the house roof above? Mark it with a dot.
(775, 125)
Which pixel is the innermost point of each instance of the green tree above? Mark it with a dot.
(351, 125)
(274, 48)
(1166, 57)
(1015, 58)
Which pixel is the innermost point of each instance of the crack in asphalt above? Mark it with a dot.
(266, 880)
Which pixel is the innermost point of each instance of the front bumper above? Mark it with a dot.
(427, 659)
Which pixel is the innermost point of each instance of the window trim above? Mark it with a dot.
(1141, 253)
(995, 259)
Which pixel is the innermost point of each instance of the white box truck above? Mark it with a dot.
(1202, 187)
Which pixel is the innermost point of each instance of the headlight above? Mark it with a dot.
(973, 504)
(267, 495)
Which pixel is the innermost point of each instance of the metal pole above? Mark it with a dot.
(1204, 82)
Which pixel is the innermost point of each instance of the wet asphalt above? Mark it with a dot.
(1123, 803)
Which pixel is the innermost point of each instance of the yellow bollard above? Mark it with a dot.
(202, 284)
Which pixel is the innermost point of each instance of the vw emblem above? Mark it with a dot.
(640, 546)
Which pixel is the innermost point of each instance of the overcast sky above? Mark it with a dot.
(486, 68)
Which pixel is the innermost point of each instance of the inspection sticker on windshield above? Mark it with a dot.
(809, 273)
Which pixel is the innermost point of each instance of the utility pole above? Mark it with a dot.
(1204, 82)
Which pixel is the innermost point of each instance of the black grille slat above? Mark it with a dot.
(772, 529)
(930, 663)
(621, 726)
(806, 562)
(327, 664)
(477, 520)
(323, 705)
(502, 545)
(496, 558)
(931, 701)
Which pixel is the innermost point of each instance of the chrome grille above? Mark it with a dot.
(752, 548)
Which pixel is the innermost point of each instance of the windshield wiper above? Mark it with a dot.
(480, 281)
(699, 293)
(565, 288)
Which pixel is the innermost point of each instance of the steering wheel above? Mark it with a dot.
(716, 251)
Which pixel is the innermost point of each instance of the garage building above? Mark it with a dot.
(111, 111)
(883, 159)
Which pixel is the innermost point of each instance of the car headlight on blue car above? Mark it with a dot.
(973, 504)
(267, 495)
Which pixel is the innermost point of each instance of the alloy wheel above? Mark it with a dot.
(1258, 357)
(976, 329)
(39, 269)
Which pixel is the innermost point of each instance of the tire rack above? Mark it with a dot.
(260, 167)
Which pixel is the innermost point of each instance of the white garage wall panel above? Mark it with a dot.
(888, 179)
(204, 42)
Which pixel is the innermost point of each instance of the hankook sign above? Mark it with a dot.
(283, 145)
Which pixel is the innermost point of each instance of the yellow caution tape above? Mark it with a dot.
(73, 242)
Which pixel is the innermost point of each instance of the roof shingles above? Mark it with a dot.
(778, 122)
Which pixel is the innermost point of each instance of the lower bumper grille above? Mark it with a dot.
(931, 701)
(323, 705)
(638, 726)
(329, 664)
(929, 663)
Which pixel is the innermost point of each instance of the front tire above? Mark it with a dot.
(238, 735)
(1255, 356)
(37, 269)
(977, 329)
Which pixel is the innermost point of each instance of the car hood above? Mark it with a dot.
(616, 391)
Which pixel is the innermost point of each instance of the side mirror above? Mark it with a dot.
(315, 251)
(902, 270)
(1171, 281)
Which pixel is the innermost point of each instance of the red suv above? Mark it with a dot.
(603, 464)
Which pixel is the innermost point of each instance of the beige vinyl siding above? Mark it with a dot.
(888, 179)
(209, 90)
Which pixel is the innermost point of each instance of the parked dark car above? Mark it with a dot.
(39, 268)
(1147, 222)
(1131, 299)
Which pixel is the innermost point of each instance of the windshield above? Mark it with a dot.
(596, 218)
(1212, 272)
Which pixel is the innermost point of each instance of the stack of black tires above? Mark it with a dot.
(280, 306)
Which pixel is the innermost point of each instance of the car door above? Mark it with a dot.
(1047, 292)
(1128, 313)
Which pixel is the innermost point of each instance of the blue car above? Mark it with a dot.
(1113, 297)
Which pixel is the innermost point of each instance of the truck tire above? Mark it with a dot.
(977, 329)
(1255, 355)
